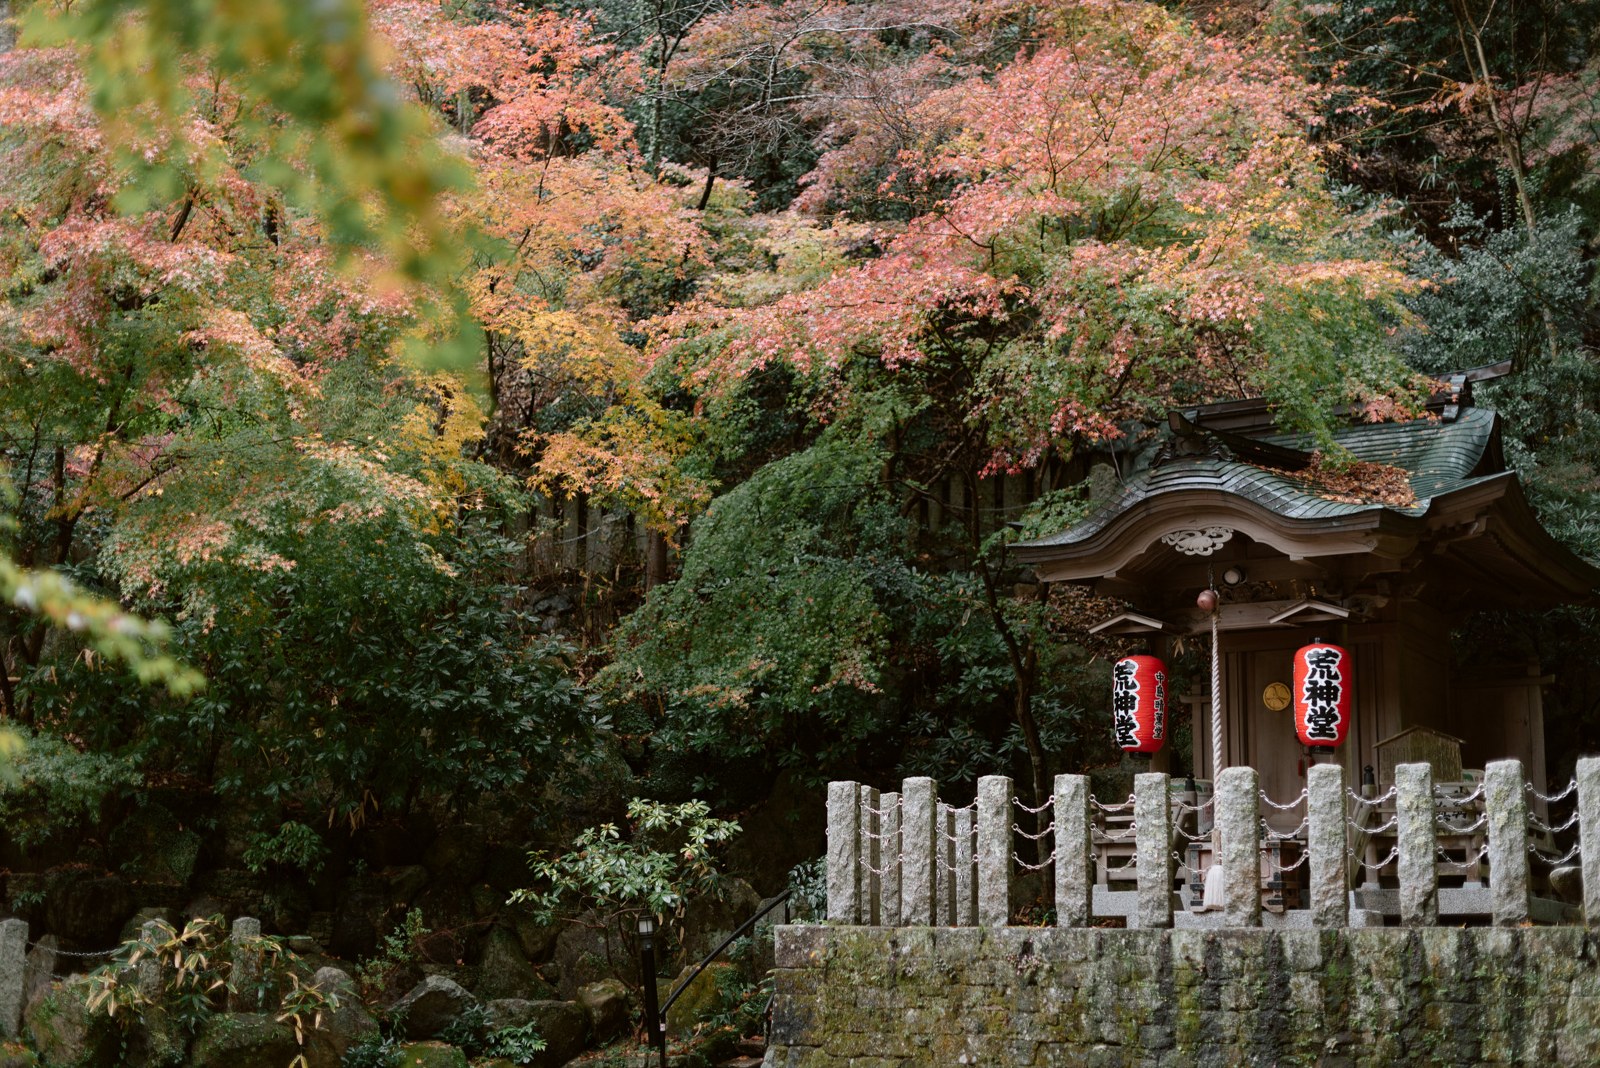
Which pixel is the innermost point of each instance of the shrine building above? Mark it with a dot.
(1227, 504)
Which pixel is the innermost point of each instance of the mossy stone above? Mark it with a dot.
(63, 1031)
(430, 1055)
(701, 999)
(16, 1055)
(244, 1040)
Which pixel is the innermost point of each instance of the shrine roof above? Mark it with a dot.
(1226, 468)
(1438, 457)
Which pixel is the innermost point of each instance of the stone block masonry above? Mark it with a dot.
(1031, 996)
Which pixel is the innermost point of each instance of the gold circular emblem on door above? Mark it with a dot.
(1275, 696)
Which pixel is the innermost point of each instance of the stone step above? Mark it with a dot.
(751, 1052)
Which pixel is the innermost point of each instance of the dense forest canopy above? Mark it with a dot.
(324, 326)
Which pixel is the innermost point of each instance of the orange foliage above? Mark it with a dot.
(1125, 206)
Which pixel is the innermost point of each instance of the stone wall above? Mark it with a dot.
(1018, 996)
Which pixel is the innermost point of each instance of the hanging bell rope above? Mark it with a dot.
(1208, 601)
(1214, 896)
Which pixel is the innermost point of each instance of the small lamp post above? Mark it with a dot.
(655, 1027)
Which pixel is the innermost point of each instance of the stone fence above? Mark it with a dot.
(907, 860)
(26, 967)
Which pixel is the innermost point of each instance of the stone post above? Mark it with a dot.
(844, 853)
(244, 946)
(966, 910)
(13, 973)
(994, 850)
(147, 973)
(1589, 836)
(871, 862)
(1152, 821)
(1238, 815)
(919, 803)
(1506, 805)
(43, 960)
(1329, 845)
(890, 894)
(1416, 840)
(944, 902)
(1074, 855)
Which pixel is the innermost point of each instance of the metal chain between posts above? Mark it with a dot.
(884, 811)
(1471, 862)
(1394, 855)
(1556, 862)
(1388, 795)
(1195, 837)
(1123, 807)
(1541, 825)
(1132, 865)
(1131, 832)
(1285, 836)
(1459, 802)
(88, 955)
(1305, 855)
(1201, 807)
(1382, 828)
(879, 872)
(1034, 811)
(1572, 786)
(1443, 819)
(1045, 863)
(1183, 865)
(1034, 837)
(1284, 808)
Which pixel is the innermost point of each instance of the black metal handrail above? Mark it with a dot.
(781, 899)
(657, 1028)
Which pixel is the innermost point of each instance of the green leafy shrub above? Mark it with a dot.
(469, 1031)
(58, 788)
(778, 627)
(474, 1034)
(397, 958)
(377, 1051)
(293, 844)
(195, 973)
(669, 857)
(607, 881)
(808, 890)
(519, 1045)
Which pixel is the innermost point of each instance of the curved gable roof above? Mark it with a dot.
(1455, 468)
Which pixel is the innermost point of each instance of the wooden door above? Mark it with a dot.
(1271, 746)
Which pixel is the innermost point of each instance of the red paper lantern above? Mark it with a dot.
(1139, 703)
(1322, 685)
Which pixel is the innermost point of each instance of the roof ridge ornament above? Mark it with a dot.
(1198, 541)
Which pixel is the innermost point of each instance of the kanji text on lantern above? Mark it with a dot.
(1124, 703)
(1321, 692)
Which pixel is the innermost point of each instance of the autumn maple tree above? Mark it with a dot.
(311, 312)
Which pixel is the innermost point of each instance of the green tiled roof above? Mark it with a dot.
(1438, 456)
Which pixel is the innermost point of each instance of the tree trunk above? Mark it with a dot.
(8, 28)
(655, 567)
(1470, 36)
(8, 699)
(1022, 709)
(705, 194)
